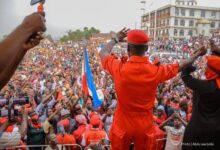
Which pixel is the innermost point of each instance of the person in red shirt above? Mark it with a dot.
(82, 127)
(94, 135)
(136, 81)
(160, 138)
(63, 137)
(161, 115)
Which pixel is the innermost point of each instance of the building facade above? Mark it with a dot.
(181, 20)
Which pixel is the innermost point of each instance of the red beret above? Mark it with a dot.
(95, 120)
(137, 37)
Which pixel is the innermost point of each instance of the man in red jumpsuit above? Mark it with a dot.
(136, 81)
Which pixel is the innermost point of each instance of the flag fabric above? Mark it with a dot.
(100, 47)
(88, 84)
(84, 78)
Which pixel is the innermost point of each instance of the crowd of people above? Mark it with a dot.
(60, 113)
(44, 104)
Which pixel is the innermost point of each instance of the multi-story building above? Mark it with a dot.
(181, 20)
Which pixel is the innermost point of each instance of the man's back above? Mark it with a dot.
(136, 81)
(94, 136)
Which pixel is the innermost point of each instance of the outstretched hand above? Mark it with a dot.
(201, 51)
(121, 35)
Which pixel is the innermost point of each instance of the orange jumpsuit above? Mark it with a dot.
(94, 136)
(136, 81)
(66, 139)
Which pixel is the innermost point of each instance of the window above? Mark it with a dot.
(176, 22)
(182, 22)
(175, 32)
(191, 23)
(192, 13)
(213, 14)
(177, 11)
(183, 12)
(213, 25)
(203, 13)
(190, 33)
(167, 32)
(219, 25)
(168, 21)
(181, 32)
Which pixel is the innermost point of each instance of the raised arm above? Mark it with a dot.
(202, 51)
(47, 98)
(23, 128)
(118, 38)
(161, 126)
(180, 119)
(57, 111)
(16, 44)
(197, 85)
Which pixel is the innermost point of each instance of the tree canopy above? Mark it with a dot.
(78, 34)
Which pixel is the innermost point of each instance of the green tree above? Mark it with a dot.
(78, 34)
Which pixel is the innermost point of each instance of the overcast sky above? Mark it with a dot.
(62, 15)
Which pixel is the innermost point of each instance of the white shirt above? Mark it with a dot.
(174, 138)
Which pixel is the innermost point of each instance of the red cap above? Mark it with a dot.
(9, 129)
(213, 63)
(3, 120)
(213, 69)
(95, 120)
(137, 37)
(92, 114)
(65, 123)
(34, 117)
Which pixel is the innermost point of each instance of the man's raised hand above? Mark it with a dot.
(121, 35)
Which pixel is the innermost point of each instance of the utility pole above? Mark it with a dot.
(155, 25)
(143, 2)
